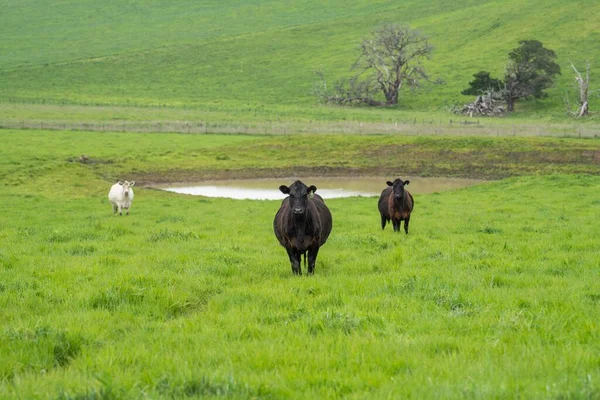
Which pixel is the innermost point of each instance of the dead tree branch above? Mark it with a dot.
(488, 104)
(584, 85)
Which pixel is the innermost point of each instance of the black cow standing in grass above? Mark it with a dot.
(396, 203)
(302, 224)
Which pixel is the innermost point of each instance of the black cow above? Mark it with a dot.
(302, 224)
(396, 203)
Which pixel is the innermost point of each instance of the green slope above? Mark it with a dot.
(263, 54)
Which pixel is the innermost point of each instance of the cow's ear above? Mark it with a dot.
(406, 183)
(131, 183)
(284, 189)
(389, 183)
(311, 189)
(120, 183)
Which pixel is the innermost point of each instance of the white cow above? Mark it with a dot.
(121, 196)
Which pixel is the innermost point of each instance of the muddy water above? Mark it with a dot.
(328, 188)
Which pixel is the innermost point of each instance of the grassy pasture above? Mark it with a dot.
(257, 60)
(155, 157)
(495, 293)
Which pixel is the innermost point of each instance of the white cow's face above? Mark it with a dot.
(126, 186)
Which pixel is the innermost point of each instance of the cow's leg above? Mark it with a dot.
(396, 223)
(295, 261)
(127, 211)
(115, 209)
(299, 261)
(312, 259)
(383, 221)
(120, 210)
(406, 221)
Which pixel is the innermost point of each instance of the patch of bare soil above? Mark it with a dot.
(83, 159)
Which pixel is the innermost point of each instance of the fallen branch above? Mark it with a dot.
(488, 104)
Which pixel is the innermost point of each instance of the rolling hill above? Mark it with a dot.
(258, 59)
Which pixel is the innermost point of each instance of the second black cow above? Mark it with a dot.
(396, 204)
(302, 224)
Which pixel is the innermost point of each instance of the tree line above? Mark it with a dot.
(391, 59)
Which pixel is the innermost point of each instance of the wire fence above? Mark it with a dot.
(458, 125)
(423, 127)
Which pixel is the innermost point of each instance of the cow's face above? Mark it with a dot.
(299, 193)
(126, 186)
(398, 187)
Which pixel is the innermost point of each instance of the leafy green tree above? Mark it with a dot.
(530, 70)
(482, 83)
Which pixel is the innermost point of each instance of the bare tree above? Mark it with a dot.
(393, 57)
(389, 60)
(584, 85)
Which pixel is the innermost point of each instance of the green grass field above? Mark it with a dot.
(256, 61)
(493, 294)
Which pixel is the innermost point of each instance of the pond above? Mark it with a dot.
(328, 188)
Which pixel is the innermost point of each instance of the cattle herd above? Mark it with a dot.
(303, 222)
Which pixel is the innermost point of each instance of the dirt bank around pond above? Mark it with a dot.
(182, 176)
(340, 156)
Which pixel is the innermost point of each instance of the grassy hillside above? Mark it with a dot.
(257, 59)
(494, 293)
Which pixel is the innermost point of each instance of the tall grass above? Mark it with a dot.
(494, 293)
